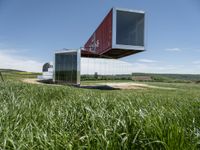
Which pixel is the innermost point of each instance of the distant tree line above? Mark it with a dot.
(170, 78)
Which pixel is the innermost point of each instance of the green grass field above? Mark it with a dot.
(64, 117)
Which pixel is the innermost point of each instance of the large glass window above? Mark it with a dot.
(66, 67)
(130, 28)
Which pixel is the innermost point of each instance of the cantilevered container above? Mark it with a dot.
(120, 34)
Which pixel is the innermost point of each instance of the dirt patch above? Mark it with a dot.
(133, 86)
(106, 86)
(32, 81)
(36, 81)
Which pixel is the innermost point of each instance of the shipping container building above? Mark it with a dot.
(67, 66)
(120, 34)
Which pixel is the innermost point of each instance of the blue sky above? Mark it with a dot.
(31, 30)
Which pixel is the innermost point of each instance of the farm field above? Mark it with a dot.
(63, 117)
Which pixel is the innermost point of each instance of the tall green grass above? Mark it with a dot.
(51, 117)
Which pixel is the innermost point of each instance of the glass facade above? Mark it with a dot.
(67, 67)
(130, 28)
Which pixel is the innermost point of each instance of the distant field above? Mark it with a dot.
(171, 77)
(64, 117)
(17, 74)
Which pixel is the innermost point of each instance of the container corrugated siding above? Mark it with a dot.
(102, 36)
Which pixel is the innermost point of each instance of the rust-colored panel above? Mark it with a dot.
(101, 40)
(117, 37)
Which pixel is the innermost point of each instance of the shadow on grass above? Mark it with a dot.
(99, 87)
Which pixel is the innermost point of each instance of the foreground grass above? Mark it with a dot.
(45, 117)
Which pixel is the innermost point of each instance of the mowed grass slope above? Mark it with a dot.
(63, 117)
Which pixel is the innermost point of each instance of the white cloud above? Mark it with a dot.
(173, 49)
(196, 62)
(10, 60)
(164, 68)
(147, 61)
(152, 68)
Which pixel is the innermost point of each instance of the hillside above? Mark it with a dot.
(10, 70)
(17, 74)
(187, 77)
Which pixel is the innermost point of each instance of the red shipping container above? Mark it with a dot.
(120, 34)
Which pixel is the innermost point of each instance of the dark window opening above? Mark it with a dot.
(130, 28)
